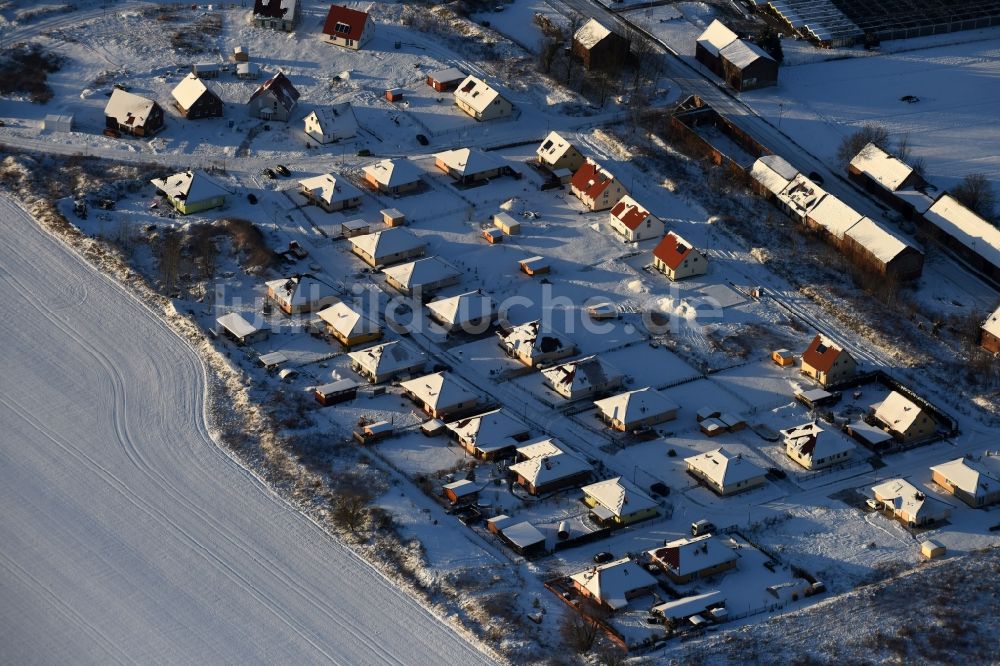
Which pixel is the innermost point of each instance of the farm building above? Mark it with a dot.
(989, 333)
(583, 378)
(548, 466)
(489, 435)
(618, 502)
(596, 187)
(331, 123)
(276, 14)
(387, 247)
(555, 152)
(472, 312)
(388, 361)
(191, 191)
(330, 192)
(636, 409)
(973, 479)
(234, 326)
(771, 175)
(634, 222)
(814, 447)
(422, 277)
(746, 66)
(876, 170)
(446, 80)
(336, 392)
(599, 47)
(614, 584)
(688, 559)
(910, 505)
(904, 419)
(298, 294)
(832, 217)
(678, 259)
(532, 344)
(440, 395)
(827, 363)
(132, 114)
(975, 239)
(349, 327)
(469, 165)
(481, 100)
(396, 176)
(349, 28)
(725, 473)
(194, 99)
(882, 250)
(275, 99)
(715, 38)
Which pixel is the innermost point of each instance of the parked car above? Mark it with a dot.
(777, 472)
(702, 526)
(660, 488)
(283, 170)
(422, 140)
(270, 173)
(603, 557)
(252, 198)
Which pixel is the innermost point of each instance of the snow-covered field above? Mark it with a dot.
(127, 535)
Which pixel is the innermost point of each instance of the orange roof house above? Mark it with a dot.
(596, 187)
(678, 259)
(827, 363)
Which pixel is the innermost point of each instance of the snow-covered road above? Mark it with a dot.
(126, 534)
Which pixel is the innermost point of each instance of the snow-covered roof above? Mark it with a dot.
(897, 412)
(523, 534)
(469, 161)
(128, 108)
(614, 582)
(532, 340)
(540, 448)
(972, 231)
(741, 53)
(236, 324)
(274, 8)
(447, 75)
(636, 405)
(822, 353)
(629, 212)
(812, 440)
(716, 37)
(619, 496)
(490, 431)
(723, 468)
(297, 291)
(387, 242)
(992, 323)
(691, 555)
(801, 194)
(582, 374)
(834, 215)
(476, 93)
(189, 91)
(439, 390)
(393, 173)
(389, 358)
(553, 147)
(346, 321)
(462, 488)
(881, 242)
(907, 498)
(870, 434)
(672, 250)
(546, 469)
(590, 33)
(684, 607)
(336, 120)
(773, 172)
(880, 166)
(976, 475)
(330, 188)
(338, 386)
(591, 178)
(189, 186)
(457, 310)
(429, 270)
(281, 87)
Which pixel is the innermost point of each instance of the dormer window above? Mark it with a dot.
(342, 28)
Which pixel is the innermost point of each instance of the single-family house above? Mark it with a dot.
(234, 326)
(746, 66)
(469, 165)
(481, 100)
(618, 501)
(132, 114)
(194, 99)
(599, 47)
(440, 394)
(472, 312)
(688, 559)
(989, 333)
(396, 176)
(634, 222)
(904, 419)
(583, 378)
(973, 479)
(678, 259)
(549, 465)
(300, 293)
(489, 435)
(331, 123)
(446, 80)
(911, 506)
(615, 584)
(709, 44)
(385, 362)
(636, 409)
(422, 277)
(826, 362)
(724, 472)
(349, 28)
(276, 14)
(965, 232)
(348, 326)
(556, 153)
(191, 191)
(533, 344)
(596, 187)
(815, 447)
(387, 247)
(275, 99)
(330, 192)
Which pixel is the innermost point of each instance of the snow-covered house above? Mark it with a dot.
(331, 123)
(385, 362)
(275, 99)
(973, 479)
(904, 419)
(976, 239)
(826, 362)
(481, 100)
(556, 153)
(989, 333)
(678, 259)
(725, 473)
(330, 192)
(191, 191)
(472, 312)
(596, 187)
(468, 165)
(746, 66)
(396, 176)
(599, 47)
(194, 99)
(913, 507)
(533, 344)
(875, 169)
(440, 394)
(349, 28)
(634, 222)
(300, 293)
(276, 14)
(236, 327)
(446, 80)
(547, 466)
(132, 114)
(387, 247)
(348, 326)
(708, 45)
(422, 277)
(618, 502)
(614, 584)
(814, 447)
(636, 409)
(489, 435)
(687, 559)
(583, 378)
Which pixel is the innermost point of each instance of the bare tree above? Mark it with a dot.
(579, 631)
(169, 259)
(976, 194)
(855, 143)
(206, 251)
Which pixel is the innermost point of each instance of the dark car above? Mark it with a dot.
(660, 488)
(422, 140)
(603, 557)
(283, 170)
(777, 472)
(270, 173)
(252, 198)
(815, 177)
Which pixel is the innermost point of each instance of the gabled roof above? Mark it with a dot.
(128, 108)
(812, 440)
(591, 178)
(282, 89)
(672, 250)
(274, 8)
(992, 323)
(490, 431)
(553, 147)
(476, 93)
(449, 75)
(629, 212)
(438, 390)
(716, 37)
(619, 496)
(189, 186)
(387, 242)
(636, 405)
(883, 244)
(420, 272)
(614, 582)
(691, 555)
(898, 412)
(330, 188)
(542, 470)
(969, 229)
(541, 448)
(822, 353)
(976, 475)
(532, 339)
(582, 374)
(724, 468)
(300, 290)
(189, 91)
(469, 161)
(685, 607)
(394, 173)
(457, 310)
(591, 33)
(834, 215)
(885, 169)
(346, 321)
(904, 496)
(389, 358)
(773, 172)
(337, 119)
(345, 23)
(742, 53)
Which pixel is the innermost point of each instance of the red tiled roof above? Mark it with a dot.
(821, 354)
(591, 179)
(671, 252)
(631, 215)
(352, 18)
(282, 87)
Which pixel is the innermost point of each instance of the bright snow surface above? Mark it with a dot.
(127, 535)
